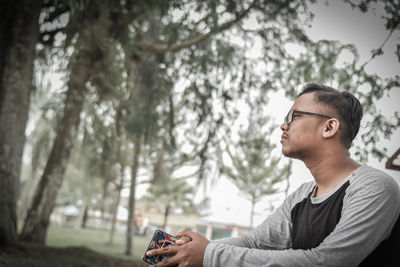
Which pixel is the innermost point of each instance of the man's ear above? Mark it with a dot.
(331, 127)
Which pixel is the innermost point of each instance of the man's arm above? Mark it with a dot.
(274, 233)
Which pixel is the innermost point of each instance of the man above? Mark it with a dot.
(348, 216)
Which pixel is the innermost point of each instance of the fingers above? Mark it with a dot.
(183, 240)
(183, 233)
(183, 237)
(162, 251)
(188, 234)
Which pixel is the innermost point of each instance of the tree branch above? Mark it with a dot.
(378, 51)
(163, 48)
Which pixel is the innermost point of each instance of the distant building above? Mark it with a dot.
(61, 215)
(212, 226)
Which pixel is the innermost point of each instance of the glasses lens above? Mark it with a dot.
(289, 117)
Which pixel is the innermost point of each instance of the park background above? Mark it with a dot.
(203, 106)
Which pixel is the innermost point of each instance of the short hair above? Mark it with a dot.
(346, 105)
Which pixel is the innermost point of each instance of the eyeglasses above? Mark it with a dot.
(289, 117)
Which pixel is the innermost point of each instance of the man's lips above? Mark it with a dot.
(283, 137)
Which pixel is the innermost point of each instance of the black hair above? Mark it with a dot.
(347, 106)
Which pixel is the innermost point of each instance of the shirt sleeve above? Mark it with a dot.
(273, 233)
(368, 215)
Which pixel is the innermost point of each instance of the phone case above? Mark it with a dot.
(160, 240)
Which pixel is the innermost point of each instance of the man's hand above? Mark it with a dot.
(190, 253)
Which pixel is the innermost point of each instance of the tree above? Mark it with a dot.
(18, 34)
(170, 195)
(43, 114)
(391, 16)
(88, 161)
(254, 168)
(378, 125)
(87, 56)
(119, 184)
(120, 159)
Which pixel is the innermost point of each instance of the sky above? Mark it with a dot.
(336, 21)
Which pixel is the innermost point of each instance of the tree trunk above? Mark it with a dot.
(106, 174)
(86, 199)
(131, 205)
(27, 195)
(37, 219)
(18, 34)
(104, 196)
(115, 212)
(166, 213)
(85, 217)
(253, 204)
(118, 142)
(82, 211)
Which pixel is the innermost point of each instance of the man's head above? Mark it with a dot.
(326, 113)
(347, 107)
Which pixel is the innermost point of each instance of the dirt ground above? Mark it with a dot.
(26, 255)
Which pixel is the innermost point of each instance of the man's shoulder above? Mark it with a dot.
(372, 180)
(365, 175)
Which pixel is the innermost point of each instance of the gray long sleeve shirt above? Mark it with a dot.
(341, 228)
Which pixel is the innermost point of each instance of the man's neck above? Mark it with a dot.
(330, 171)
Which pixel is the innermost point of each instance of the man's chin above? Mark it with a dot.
(287, 153)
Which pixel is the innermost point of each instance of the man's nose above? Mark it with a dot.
(284, 126)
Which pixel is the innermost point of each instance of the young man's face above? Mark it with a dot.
(302, 137)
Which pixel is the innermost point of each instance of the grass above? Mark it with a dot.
(96, 240)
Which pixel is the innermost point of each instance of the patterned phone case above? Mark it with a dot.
(160, 239)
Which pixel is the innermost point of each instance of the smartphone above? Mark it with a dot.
(160, 239)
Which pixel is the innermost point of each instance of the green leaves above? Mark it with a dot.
(173, 193)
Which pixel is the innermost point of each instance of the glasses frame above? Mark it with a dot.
(289, 117)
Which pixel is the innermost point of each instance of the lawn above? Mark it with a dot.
(96, 240)
(70, 247)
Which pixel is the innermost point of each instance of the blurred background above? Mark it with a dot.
(165, 114)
